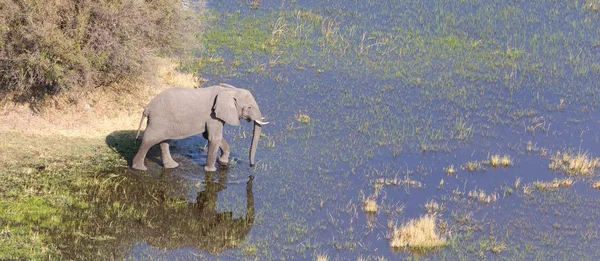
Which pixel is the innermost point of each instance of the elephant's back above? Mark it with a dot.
(179, 104)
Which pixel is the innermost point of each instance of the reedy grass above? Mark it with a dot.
(418, 234)
(580, 164)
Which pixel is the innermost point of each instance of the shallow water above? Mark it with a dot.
(399, 90)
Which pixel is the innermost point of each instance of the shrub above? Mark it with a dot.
(52, 46)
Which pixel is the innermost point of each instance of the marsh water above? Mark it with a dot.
(375, 100)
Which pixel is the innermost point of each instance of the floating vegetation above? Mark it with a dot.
(432, 207)
(473, 166)
(497, 161)
(531, 147)
(400, 182)
(450, 170)
(555, 183)
(481, 196)
(418, 234)
(322, 257)
(506, 161)
(517, 183)
(574, 164)
(303, 118)
(370, 205)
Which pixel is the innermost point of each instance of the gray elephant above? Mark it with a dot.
(178, 113)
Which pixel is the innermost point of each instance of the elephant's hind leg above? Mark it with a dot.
(224, 159)
(138, 160)
(168, 161)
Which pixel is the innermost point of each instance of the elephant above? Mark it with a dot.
(178, 113)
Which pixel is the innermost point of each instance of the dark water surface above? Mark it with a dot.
(395, 90)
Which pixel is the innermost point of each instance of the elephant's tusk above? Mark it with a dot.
(262, 122)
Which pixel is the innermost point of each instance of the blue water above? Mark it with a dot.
(398, 113)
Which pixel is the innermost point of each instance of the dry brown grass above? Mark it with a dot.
(574, 164)
(432, 207)
(506, 161)
(94, 114)
(303, 118)
(483, 197)
(473, 166)
(419, 234)
(400, 182)
(450, 170)
(370, 205)
(555, 183)
(322, 257)
(497, 161)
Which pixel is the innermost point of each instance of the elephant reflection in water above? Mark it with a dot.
(181, 224)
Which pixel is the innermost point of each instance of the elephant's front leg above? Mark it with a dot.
(213, 148)
(168, 161)
(224, 146)
(224, 159)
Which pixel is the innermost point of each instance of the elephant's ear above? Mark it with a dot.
(225, 108)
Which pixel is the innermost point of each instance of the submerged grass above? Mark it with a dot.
(483, 197)
(41, 189)
(555, 183)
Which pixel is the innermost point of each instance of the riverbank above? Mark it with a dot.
(52, 160)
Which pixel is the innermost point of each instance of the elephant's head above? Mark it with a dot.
(234, 104)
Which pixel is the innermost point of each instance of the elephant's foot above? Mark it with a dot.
(138, 167)
(210, 168)
(171, 164)
(223, 161)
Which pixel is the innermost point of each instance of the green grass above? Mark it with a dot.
(45, 192)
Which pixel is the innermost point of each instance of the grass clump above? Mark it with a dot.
(399, 182)
(506, 161)
(497, 161)
(370, 205)
(482, 197)
(322, 257)
(433, 207)
(303, 118)
(450, 170)
(473, 166)
(580, 164)
(555, 183)
(418, 234)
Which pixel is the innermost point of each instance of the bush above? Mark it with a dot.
(52, 46)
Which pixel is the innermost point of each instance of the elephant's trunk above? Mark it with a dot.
(250, 202)
(255, 138)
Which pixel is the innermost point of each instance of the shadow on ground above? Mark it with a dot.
(124, 143)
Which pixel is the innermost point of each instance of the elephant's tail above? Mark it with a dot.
(144, 115)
